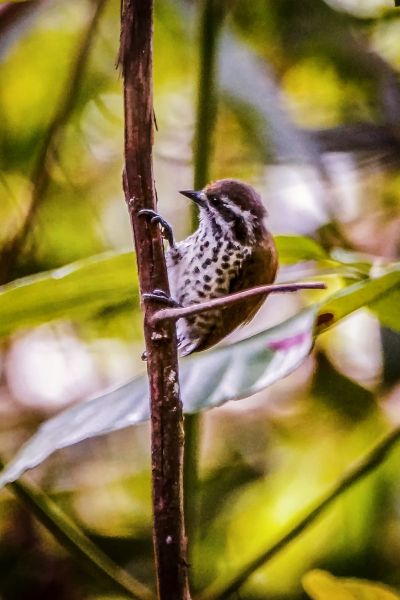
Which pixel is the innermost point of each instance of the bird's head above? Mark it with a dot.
(233, 206)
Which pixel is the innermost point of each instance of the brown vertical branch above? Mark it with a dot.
(162, 364)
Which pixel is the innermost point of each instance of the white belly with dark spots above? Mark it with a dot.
(200, 268)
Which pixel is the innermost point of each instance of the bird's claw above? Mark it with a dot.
(166, 228)
(161, 296)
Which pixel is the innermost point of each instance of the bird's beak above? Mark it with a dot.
(197, 197)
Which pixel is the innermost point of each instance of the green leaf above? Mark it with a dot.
(81, 289)
(387, 309)
(296, 248)
(233, 372)
(367, 293)
(320, 585)
(94, 285)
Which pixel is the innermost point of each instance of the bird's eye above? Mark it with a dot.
(212, 200)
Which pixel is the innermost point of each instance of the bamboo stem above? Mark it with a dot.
(210, 22)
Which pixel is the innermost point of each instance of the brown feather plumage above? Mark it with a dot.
(259, 269)
(230, 251)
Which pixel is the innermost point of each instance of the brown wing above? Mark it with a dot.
(258, 269)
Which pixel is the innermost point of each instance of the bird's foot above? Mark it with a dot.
(161, 296)
(166, 229)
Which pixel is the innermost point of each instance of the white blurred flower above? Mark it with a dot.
(50, 367)
(354, 348)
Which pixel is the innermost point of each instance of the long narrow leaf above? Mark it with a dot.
(92, 285)
(367, 293)
(80, 289)
(226, 586)
(73, 538)
(232, 372)
(208, 379)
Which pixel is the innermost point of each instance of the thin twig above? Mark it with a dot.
(162, 363)
(369, 462)
(41, 174)
(174, 314)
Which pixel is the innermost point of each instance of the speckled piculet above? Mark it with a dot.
(231, 250)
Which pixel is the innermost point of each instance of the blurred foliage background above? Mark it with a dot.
(308, 111)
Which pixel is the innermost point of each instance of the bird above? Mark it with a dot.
(230, 251)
